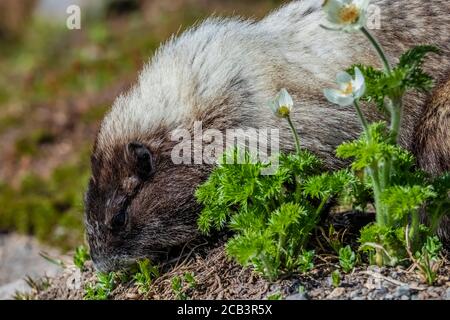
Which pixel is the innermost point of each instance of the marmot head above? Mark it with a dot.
(138, 203)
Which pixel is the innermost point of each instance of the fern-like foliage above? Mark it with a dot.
(407, 75)
(272, 216)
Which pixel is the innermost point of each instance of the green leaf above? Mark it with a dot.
(81, 256)
(416, 56)
(305, 261)
(403, 200)
(284, 217)
(347, 259)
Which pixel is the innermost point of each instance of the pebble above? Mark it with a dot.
(448, 294)
(132, 296)
(388, 297)
(403, 291)
(381, 291)
(373, 269)
(336, 293)
(405, 297)
(354, 294)
(297, 296)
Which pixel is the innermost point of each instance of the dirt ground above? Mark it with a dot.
(217, 277)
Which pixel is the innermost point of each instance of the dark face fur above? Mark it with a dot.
(138, 204)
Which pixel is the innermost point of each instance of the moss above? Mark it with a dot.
(29, 145)
(9, 121)
(51, 209)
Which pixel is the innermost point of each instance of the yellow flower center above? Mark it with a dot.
(349, 14)
(348, 89)
(284, 111)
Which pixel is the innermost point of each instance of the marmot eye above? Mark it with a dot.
(119, 219)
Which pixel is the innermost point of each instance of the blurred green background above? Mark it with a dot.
(55, 86)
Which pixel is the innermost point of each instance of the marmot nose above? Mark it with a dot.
(110, 263)
(101, 265)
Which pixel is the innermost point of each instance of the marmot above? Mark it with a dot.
(223, 72)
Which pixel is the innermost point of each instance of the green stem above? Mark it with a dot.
(362, 119)
(378, 48)
(394, 106)
(267, 266)
(386, 173)
(298, 190)
(377, 191)
(414, 232)
(280, 247)
(296, 137)
(320, 208)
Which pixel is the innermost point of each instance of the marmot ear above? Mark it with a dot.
(142, 160)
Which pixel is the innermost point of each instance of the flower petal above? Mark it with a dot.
(358, 93)
(336, 97)
(359, 84)
(362, 4)
(285, 99)
(332, 9)
(343, 77)
(345, 101)
(273, 106)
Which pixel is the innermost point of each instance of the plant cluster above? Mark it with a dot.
(80, 257)
(182, 285)
(142, 275)
(145, 275)
(272, 216)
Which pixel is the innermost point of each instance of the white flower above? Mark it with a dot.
(282, 104)
(347, 15)
(349, 89)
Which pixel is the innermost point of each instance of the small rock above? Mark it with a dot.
(132, 296)
(381, 291)
(403, 291)
(354, 294)
(373, 269)
(297, 296)
(447, 294)
(405, 298)
(274, 287)
(336, 293)
(388, 296)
